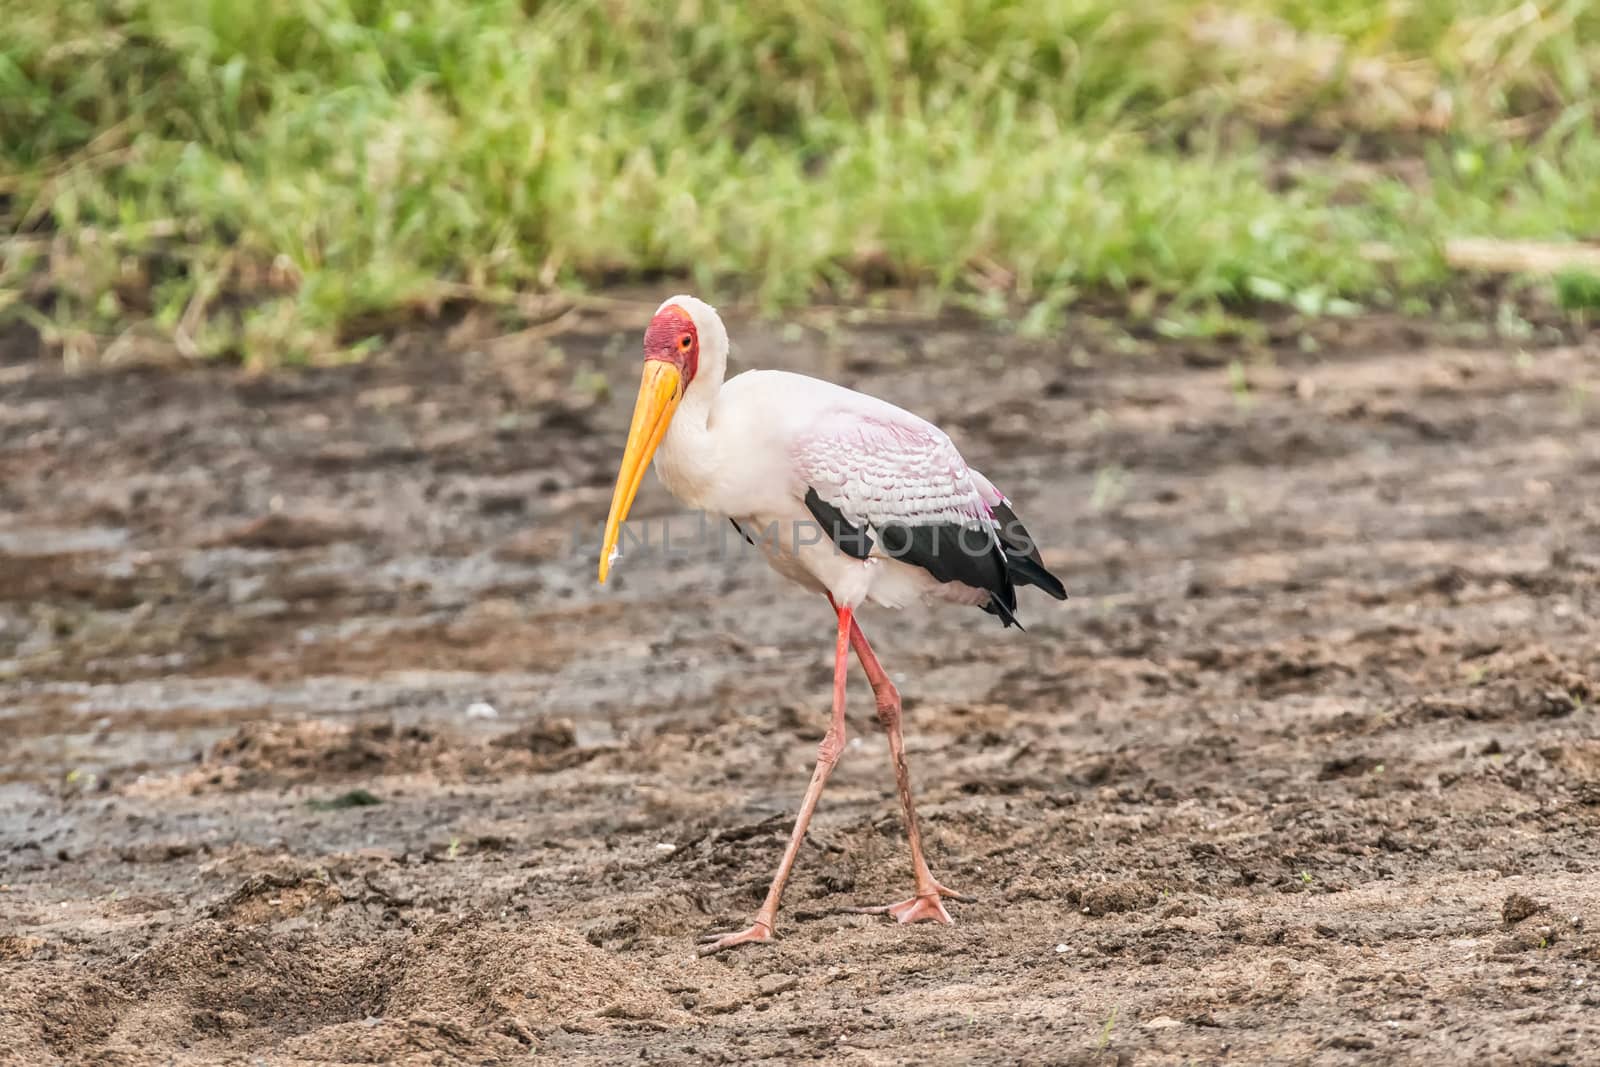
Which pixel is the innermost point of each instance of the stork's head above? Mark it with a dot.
(673, 339)
(684, 334)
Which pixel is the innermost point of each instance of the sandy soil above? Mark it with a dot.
(1308, 770)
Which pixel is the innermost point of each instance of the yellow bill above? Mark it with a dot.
(659, 394)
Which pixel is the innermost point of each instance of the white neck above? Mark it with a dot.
(687, 460)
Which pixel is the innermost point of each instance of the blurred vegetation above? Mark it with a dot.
(273, 181)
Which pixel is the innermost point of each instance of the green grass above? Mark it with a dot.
(274, 180)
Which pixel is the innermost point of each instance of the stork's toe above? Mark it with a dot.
(713, 943)
(928, 909)
(924, 907)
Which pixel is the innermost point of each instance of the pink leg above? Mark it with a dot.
(927, 905)
(827, 755)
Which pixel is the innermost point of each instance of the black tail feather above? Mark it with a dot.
(1025, 571)
(997, 607)
(1022, 555)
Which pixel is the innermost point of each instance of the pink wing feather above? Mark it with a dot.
(876, 470)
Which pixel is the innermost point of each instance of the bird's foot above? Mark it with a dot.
(924, 907)
(756, 931)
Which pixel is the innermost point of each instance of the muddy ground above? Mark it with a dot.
(320, 743)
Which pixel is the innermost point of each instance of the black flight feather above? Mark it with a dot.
(948, 551)
(852, 540)
(951, 552)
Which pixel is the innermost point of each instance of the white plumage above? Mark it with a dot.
(750, 447)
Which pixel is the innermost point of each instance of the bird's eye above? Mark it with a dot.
(684, 342)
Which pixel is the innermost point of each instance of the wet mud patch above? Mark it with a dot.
(267, 898)
(273, 755)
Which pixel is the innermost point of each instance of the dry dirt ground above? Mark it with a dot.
(1308, 770)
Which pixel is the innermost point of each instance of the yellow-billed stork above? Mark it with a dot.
(898, 519)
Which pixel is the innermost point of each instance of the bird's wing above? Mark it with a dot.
(896, 486)
(876, 472)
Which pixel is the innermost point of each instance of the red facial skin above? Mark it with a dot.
(673, 339)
